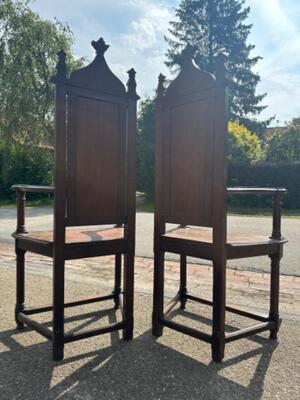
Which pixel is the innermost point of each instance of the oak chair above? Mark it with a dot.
(94, 193)
(190, 190)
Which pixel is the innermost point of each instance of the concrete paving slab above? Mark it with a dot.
(104, 367)
(41, 218)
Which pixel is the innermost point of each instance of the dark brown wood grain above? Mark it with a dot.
(94, 184)
(190, 189)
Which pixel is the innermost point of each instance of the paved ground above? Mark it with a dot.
(173, 367)
(41, 218)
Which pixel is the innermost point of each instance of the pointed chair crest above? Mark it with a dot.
(97, 75)
(191, 78)
(95, 130)
(190, 191)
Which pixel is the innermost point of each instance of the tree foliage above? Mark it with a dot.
(145, 150)
(214, 26)
(243, 145)
(25, 164)
(28, 55)
(284, 144)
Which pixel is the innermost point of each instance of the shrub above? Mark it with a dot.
(262, 175)
(145, 148)
(243, 145)
(284, 144)
(24, 164)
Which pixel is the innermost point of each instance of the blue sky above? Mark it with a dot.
(135, 30)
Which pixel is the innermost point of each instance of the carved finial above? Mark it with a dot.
(160, 91)
(100, 46)
(61, 67)
(188, 53)
(221, 66)
(131, 84)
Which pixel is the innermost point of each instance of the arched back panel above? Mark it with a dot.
(96, 145)
(193, 155)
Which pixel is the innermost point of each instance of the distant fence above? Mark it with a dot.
(268, 174)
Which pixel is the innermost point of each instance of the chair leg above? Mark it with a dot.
(158, 293)
(274, 295)
(20, 286)
(117, 288)
(219, 292)
(128, 295)
(183, 288)
(58, 309)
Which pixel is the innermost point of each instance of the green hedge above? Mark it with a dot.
(267, 174)
(24, 164)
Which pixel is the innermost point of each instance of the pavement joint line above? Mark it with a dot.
(250, 279)
(169, 293)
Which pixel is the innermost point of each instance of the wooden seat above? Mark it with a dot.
(206, 236)
(198, 242)
(74, 235)
(190, 191)
(80, 242)
(94, 186)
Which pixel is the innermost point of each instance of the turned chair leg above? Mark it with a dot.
(274, 294)
(117, 288)
(20, 286)
(128, 295)
(183, 275)
(158, 294)
(58, 309)
(219, 289)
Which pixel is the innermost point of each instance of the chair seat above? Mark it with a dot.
(75, 235)
(205, 235)
(80, 241)
(198, 242)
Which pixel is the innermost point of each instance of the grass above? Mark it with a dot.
(29, 203)
(148, 207)
(260, 211)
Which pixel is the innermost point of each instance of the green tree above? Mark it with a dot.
(145, 153)
(284, 144)
(214, 26)
(243, 145)
(28, 55)
(20, 163)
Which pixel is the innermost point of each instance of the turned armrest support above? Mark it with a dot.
(21, 201)
(277, 194)
(277, 204)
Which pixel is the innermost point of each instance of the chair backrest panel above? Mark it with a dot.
(191, 146)
(188, 165)
(95, 144)
(96, 160)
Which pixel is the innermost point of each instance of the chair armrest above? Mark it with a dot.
(33, 188)
(255, 190)
(277, 194)
(21, 201)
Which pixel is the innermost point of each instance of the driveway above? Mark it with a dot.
(41, 218)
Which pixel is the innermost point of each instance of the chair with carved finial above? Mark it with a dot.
(94, 194)
(190, 190)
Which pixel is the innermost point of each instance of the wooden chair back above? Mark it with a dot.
(95, 149)
(191, 148)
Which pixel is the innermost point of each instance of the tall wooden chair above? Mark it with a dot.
(190, 190)
(94, 185)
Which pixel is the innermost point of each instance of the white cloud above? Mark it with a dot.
(277, 37)
(147, 31)
(135, 30)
